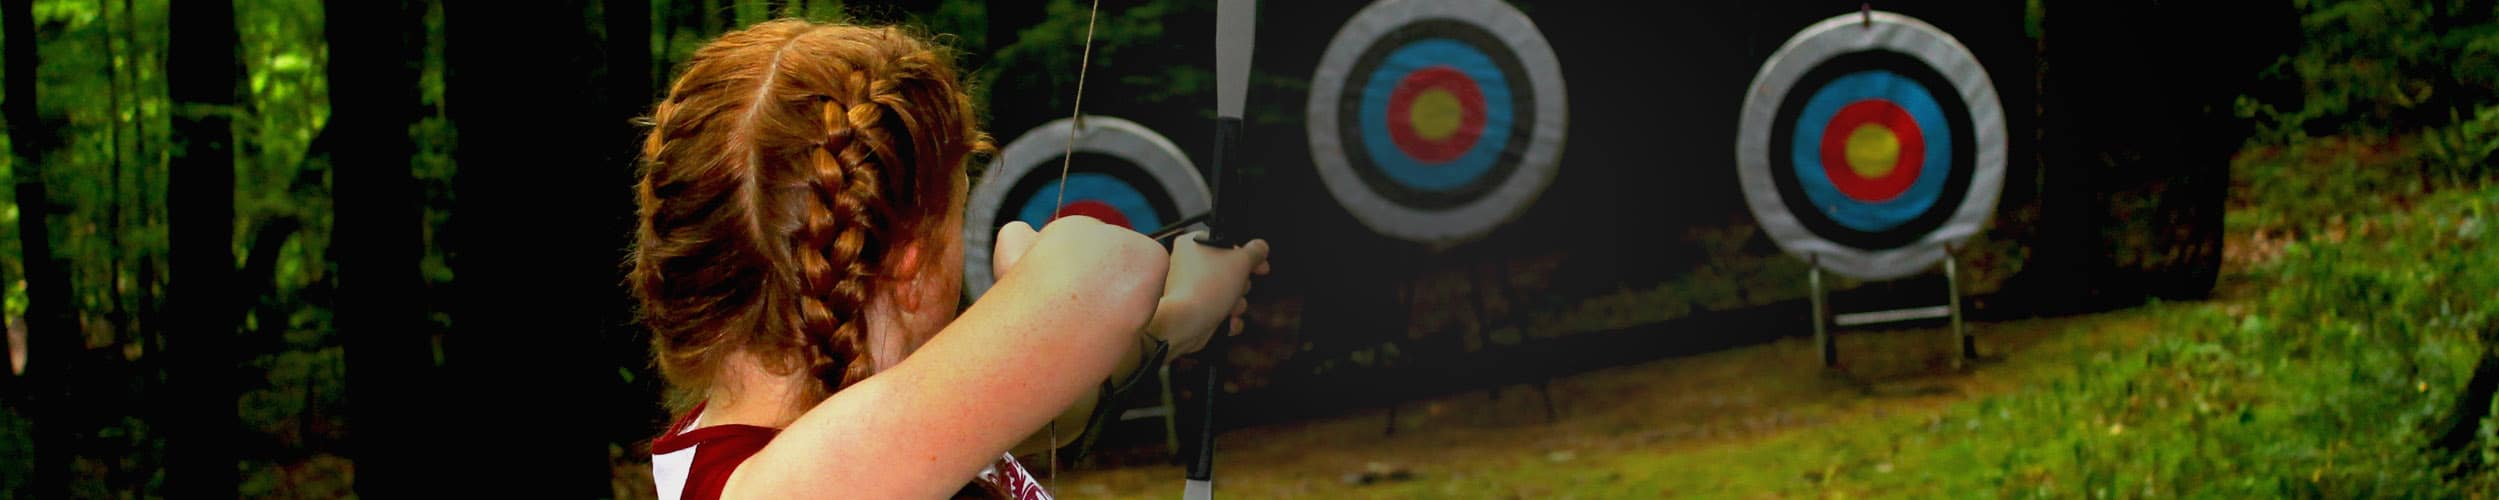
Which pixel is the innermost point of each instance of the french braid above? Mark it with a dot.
(786, 161)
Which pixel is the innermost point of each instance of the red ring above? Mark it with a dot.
(1098, 210)
(1470, 123)
(1905, 168)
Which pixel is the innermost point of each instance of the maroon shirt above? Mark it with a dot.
(716, 451)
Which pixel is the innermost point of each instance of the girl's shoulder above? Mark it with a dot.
(693, 464)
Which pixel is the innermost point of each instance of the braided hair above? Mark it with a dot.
(786, 161)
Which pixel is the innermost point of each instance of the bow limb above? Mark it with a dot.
(1235, 23)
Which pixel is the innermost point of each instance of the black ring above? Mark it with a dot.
(1956, 180)
(1088, 163)
(1522, 109)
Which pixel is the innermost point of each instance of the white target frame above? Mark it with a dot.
(1043, 149)
(1446, 227)
(1855, 32)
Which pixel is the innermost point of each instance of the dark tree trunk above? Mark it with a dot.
(630, 93)
(117, 316)
(719, 16)
(537, 259)
(375, 47)
(52, 338)
(2472, 405)
(151, 366)
(202, 73)
(17, 106)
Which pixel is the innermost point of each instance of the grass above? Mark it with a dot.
(1762, 420)
(2355, 300)
(2324, 367)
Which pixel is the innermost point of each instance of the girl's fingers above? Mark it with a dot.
(1238, 309)
(1013, 240)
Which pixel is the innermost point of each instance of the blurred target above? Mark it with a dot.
(1123, 174)
(1436, 121)
(1868, 142)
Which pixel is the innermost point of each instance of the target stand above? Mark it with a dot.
(1825, 320)
(1435, 123)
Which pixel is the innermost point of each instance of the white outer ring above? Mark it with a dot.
(1040, 151)
(1442, 227)
(1852, 33)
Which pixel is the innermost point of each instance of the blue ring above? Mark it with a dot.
(1097, 187)
(1466, 168)
(1807, 150)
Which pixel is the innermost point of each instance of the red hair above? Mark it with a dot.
(784, 164)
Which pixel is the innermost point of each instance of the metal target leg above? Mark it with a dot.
(1952, 280)
(1963, 96)
(1171, 413)
(1822, 335)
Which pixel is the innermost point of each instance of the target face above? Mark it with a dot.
(1869, 142)
(1437, 121)
(1121, 173)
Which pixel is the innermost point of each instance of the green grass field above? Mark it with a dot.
(2325, 365)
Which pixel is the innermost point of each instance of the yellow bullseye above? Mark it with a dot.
(1435, 114)
(1873, 150)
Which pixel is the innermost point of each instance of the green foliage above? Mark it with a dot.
(2393, 68)
(2331, 383)
(2307, 185)
(2462, 150)
(2034, 18)
(102, 86)
(1130, 47)
(278, 175)
(433, 167)
(1046, 57)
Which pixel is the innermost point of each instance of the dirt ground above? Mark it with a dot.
(1733, 398)
(1704, 404)
(1736, 398)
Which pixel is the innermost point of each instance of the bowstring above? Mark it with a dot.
(1076, 124)
(1076, 116)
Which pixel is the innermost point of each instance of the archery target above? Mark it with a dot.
(1122, 173)
(1869, 142)
(1436, 121)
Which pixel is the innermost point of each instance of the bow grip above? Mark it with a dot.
(1219, 230)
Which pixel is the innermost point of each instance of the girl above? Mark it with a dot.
(799, 265)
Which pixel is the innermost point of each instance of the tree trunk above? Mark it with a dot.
(375, 47)
(151, 366)
(2472, 405)
(630, 93)
(116, 315)
(539, 248)
(15, 12)
(202, 73)
(52, 338)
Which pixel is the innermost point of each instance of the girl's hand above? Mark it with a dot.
(1206, 286)
(1012, 240)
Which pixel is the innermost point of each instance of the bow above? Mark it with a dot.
(1235, 21)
